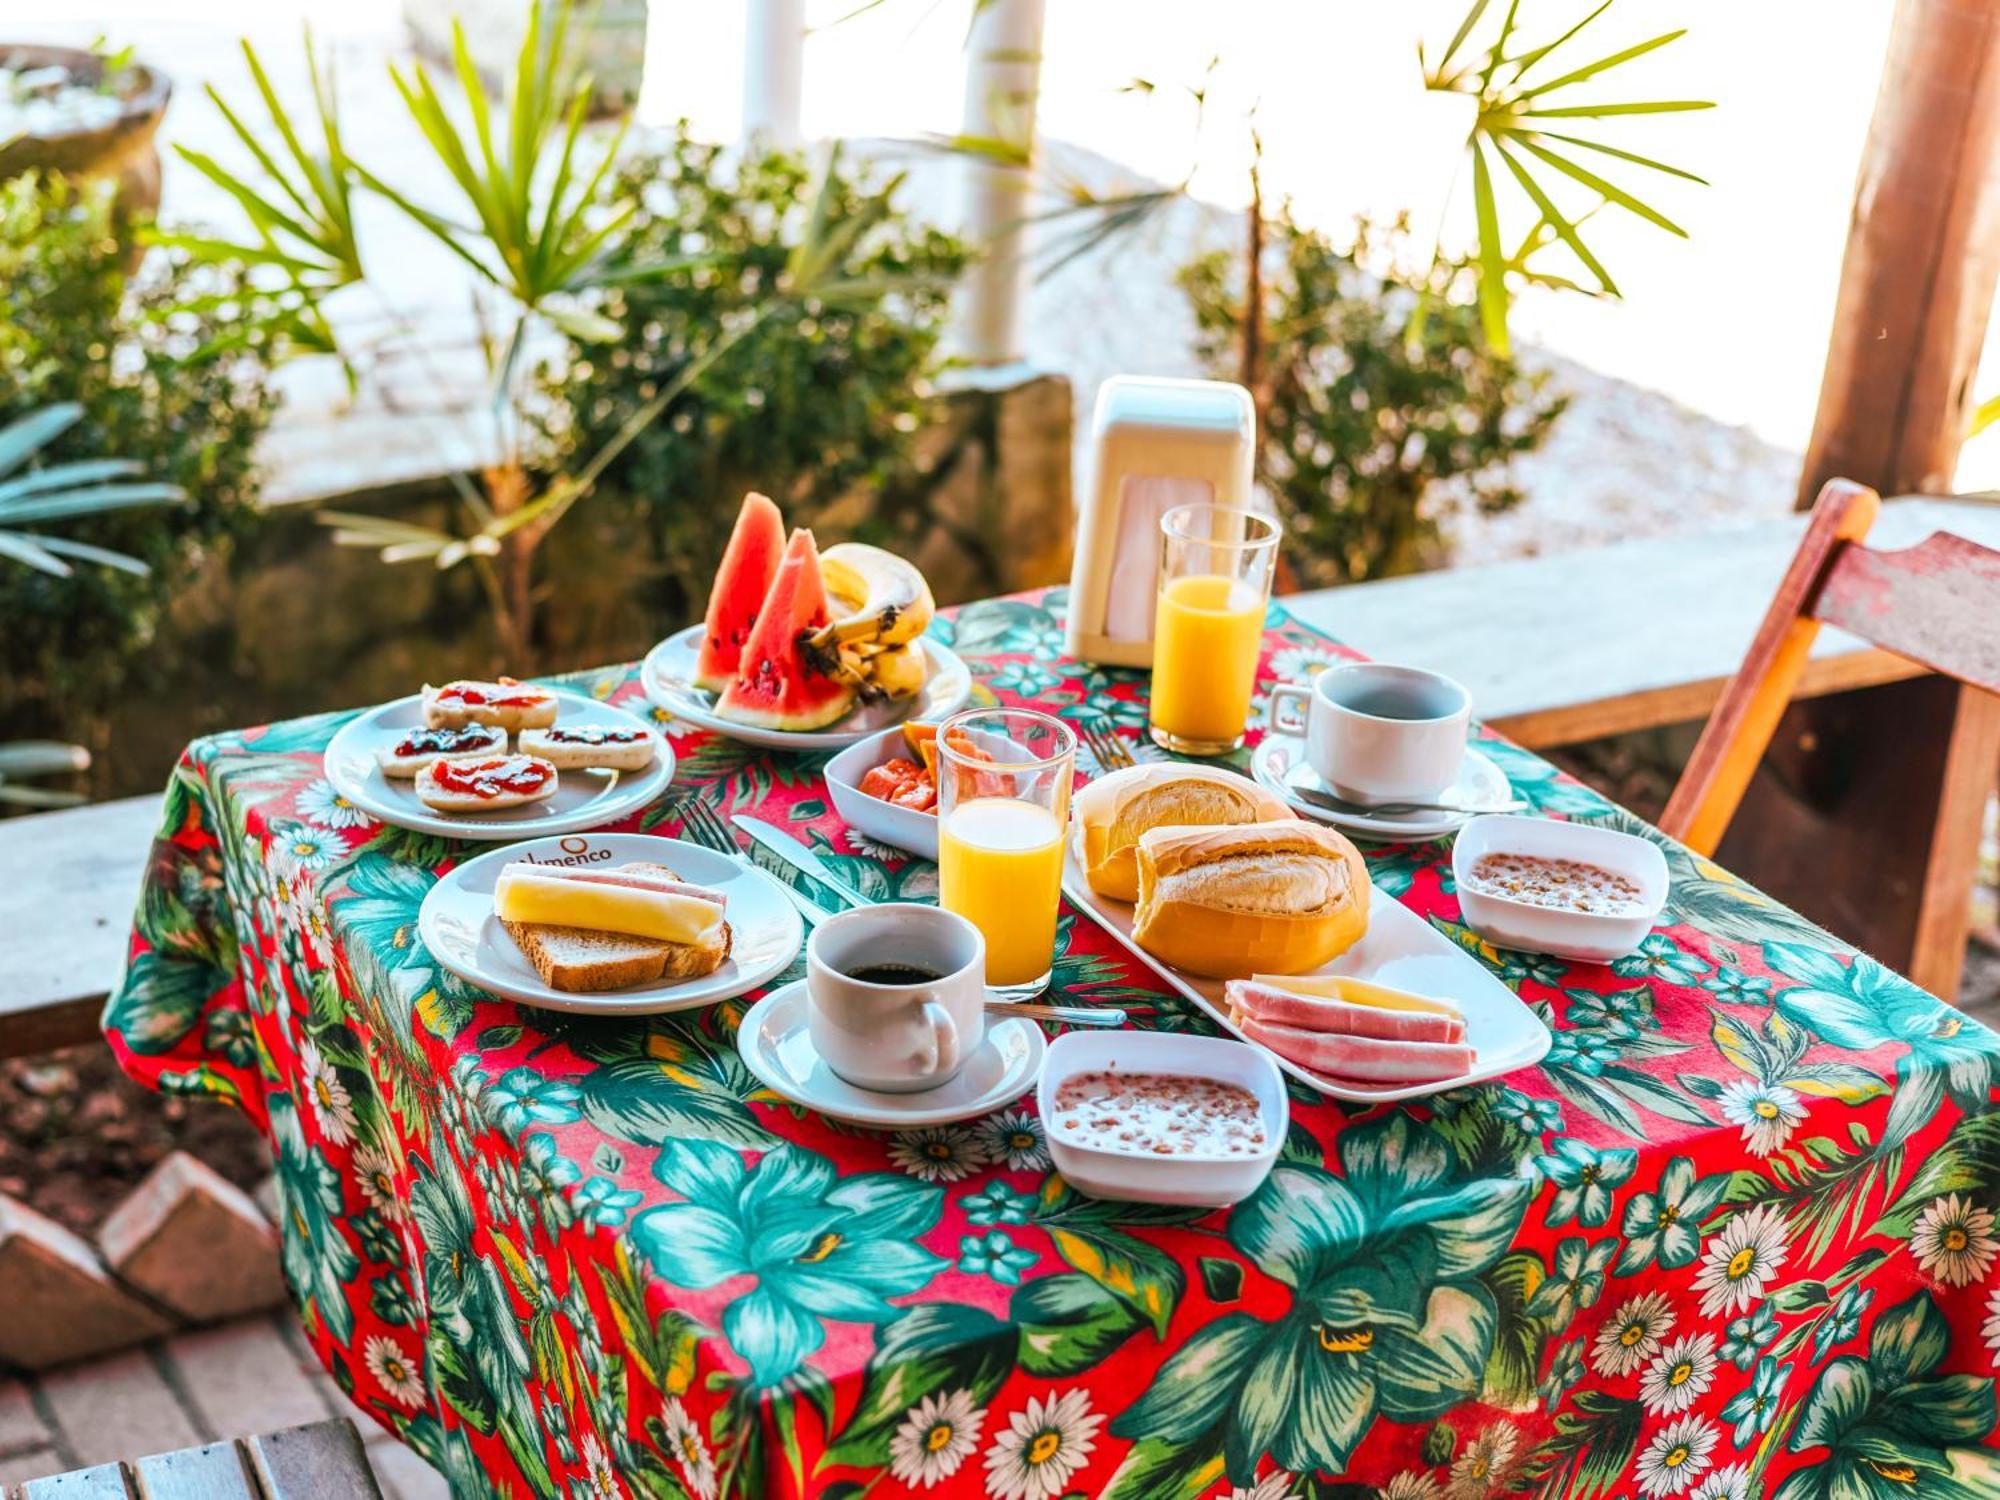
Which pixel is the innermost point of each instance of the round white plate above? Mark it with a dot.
(583, 799)
(668, 678)
(777, 1048)
(1279, 764)
(457, 924)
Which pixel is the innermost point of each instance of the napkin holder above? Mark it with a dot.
(1154, 444)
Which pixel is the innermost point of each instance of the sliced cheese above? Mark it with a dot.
(636, 911)
(1357, 992)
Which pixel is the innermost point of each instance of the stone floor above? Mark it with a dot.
(252, 1376)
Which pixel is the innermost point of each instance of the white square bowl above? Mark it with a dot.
(1199, 1180)
(1588, 936)
(884, 822)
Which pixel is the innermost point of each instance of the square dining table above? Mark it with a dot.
(1734, 1236)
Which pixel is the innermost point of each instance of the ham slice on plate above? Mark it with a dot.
(623, 875)
(1366, 1058)
(1274, 1006)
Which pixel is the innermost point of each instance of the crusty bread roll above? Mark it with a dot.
(505, 703)
(1114, 810)
(487, 785)
(1274, 898)
(590, 747)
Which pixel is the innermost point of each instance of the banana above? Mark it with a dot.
(887, 600)
(899, 671)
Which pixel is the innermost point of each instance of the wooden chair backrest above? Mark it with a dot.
(1937, 603)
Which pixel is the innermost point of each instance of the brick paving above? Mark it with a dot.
(253, 1375)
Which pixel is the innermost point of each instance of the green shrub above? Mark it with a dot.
(153, 362)
(1376, 418)
(807, 406)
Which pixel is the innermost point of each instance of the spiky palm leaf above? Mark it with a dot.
(1518, 124)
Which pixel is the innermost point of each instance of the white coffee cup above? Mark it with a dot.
(903, 1035)
(1378, 733)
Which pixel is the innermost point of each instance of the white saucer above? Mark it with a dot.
(1279, 764)
(777, 1048)
(667, 675)
(457, 924)
(583, 799)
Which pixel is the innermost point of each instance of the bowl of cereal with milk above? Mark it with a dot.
(1569, 889)
(1150, 1117)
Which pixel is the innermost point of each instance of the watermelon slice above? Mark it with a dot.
(748, 565)
(781, 682)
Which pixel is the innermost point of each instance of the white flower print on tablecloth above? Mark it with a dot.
(1953, 1240)
(332, 1106)
(1413, 1484)
(1042, 1447)
(1766, 1112)
(1682, 1371)
(938, 1153)
(1481, 1468)
(1741, 1260)
(394, 1371)
(935, 1438)
(1731, 1483)
(1276, 1486)
(377, 1175)
(321, 803)
(1633, 1334)
(1676, 1457)
(1013, 1138)
(685, 1442)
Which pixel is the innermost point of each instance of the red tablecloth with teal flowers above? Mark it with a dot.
(1735, 1235)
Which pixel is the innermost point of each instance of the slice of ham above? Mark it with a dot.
(1273, 1005)
(638, 880)
(1365, 1058)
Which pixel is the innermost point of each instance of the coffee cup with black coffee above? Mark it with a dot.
(896, 995)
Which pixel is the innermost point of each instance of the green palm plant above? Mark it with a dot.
(61, 492)
(301, 211)
(1522, 116)
(58, 492)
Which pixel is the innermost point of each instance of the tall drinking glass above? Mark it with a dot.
(1003, 811)
(1215, 581)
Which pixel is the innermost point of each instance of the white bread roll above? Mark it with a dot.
(498, 781)
(1274, 898)
(1115, 810)
(504, 703)
(588, 747)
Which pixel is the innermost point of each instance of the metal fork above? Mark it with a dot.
(702, 824)
(1108, 749)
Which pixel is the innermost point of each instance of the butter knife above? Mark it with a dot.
(799, 856)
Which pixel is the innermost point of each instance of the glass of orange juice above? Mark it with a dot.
(1003, 811)
(1215, 581)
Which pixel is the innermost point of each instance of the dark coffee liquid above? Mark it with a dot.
(893, 974)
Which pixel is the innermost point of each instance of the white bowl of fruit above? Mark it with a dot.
(803, 649)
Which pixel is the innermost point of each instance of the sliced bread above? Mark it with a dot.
(580, 961)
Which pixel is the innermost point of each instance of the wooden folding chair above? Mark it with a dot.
(1937, 603)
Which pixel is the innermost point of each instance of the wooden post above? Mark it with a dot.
(774, 55)
(1865, 813)
(1002, 80)
(1923, 253)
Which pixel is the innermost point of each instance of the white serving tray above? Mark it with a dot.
(1400, 949)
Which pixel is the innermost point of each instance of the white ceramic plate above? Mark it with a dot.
(884, 822)
(1279, 764)
(583, 799)
(457, 924)
(1400, 949)
(668, 678)
(777, 1048)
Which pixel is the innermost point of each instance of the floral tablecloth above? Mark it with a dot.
(1735, 1236)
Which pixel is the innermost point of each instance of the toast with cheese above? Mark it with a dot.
(588, 960)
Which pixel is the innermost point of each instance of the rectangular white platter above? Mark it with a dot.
(1400, 949)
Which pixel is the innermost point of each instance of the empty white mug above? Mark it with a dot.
(905, 1034)
(1378, 733)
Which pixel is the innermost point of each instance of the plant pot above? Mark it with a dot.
(121, 149)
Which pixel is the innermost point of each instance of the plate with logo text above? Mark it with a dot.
(458, 925)
(583, 799)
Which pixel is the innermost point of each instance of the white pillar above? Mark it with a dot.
(1002, 79)
(774, 64)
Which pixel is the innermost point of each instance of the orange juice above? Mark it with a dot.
(1000, 866)
(1205, 644)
